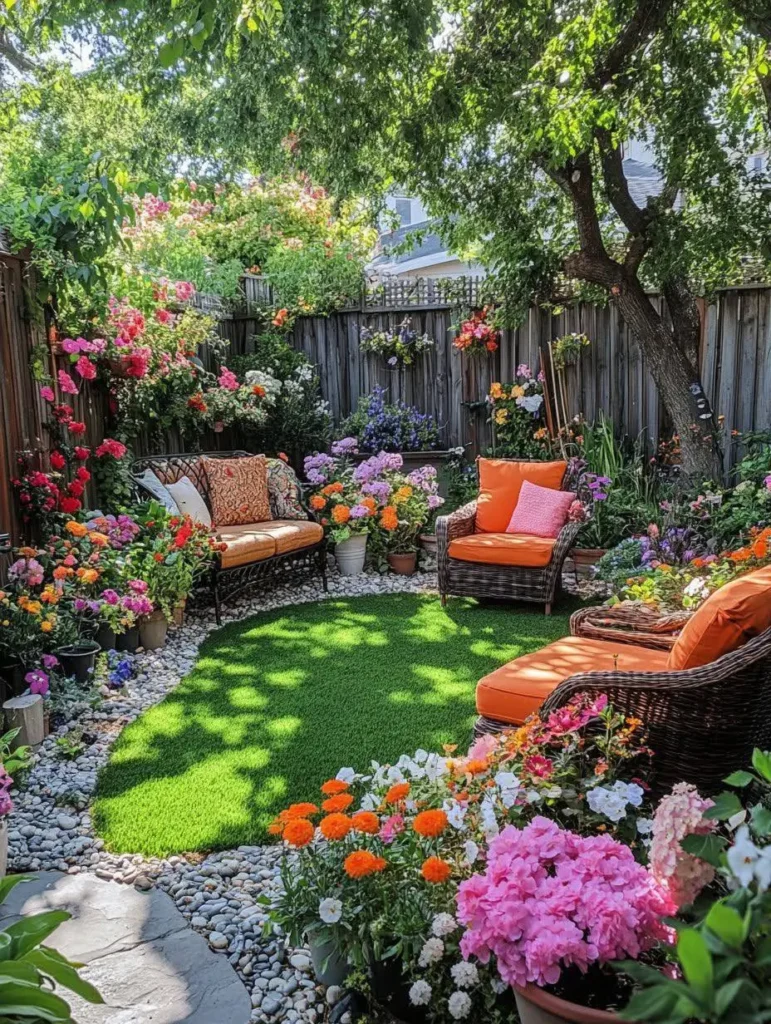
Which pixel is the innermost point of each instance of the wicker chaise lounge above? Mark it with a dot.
(703, 719)
(289, 545)
(477, 557)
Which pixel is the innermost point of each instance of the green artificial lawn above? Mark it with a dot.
(279, 702)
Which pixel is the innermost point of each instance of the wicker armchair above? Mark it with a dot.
(702, 723)
(513, 583)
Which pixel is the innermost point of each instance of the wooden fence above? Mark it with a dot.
(610, 377)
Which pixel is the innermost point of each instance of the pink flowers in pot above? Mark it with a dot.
(680, 814)
(550, 899)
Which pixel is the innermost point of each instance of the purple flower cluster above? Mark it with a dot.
(598, 486)
(27, 570)
(379, 489)
(676, 545)
(372, 468)
(345, 446)
(121, 530)
(396, 427)
(121, 669)
(424, 479)
(138, 604)
(38, 682)
(6, 782)
(523, 370)
(83, 606)
(318, 468)
(359, 512)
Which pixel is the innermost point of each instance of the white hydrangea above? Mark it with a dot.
(271, 384)
(420, 993)
(431, 953)
(464, 974)
(605, 801)
(459, 1005)
(443, 924)
(644, 826)
(470, 851)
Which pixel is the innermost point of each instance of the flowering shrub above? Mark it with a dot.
(516, 412)
(477, 334)
(678, 815)
(391, 427)
(551, 899)
(399, 347)
(340, 505)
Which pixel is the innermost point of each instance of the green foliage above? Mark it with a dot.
(30, 971)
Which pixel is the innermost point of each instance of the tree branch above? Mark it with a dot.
(576, 181)
(19, 60)
(616, 184)
(645, 21)
(686, 320)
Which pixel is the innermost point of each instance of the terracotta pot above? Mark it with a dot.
(350, 555)
(585, 558)
(536, 1006)
(403, 564)
(178, 616)
(428, 543)
(152, 631)
(78, 659)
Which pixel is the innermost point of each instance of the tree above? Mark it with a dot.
(509, 119)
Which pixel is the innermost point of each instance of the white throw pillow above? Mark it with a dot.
(189, 500)
(151, 483)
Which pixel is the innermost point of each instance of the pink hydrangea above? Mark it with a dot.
(47, 393)
(679, 815)
(66, 383)
(550, 899)
(228, 380)
(85, 368)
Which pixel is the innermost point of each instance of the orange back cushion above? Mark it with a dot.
(500, 481)
(732, 615)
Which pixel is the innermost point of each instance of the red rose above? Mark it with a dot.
(75, 489)
(58, 461)
(81, 453)
(76, 427)
(82, 474)
(70, 505)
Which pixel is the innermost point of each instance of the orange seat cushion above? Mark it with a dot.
(292, 534)
(728, 618)
(515, 691)
(500, 481)
(245, 544)
(520, 549)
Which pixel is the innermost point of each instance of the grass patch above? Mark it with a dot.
(279, 702)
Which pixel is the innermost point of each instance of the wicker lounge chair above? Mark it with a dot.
(526, 582)
(268, 552)
(702, 722)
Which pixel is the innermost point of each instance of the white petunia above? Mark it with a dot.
(431, 953)
(456, 814)
(394, 774)
(369, 802)
(435, 767)
(470, 851)
(346, 775)
(464, 974)
(508, 784)
(743, 856)
(459, 1005)
(644, 826)
(330, 910)
(530, 402)
(420, 993)
(420, 756)
(443, 924)
(489, 820)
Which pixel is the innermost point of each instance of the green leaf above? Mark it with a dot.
(739, 779)
(31, 931)
(696, 961)
(727, 924)
(726, 805)
(761, 762)
(655, 1004)
(707, 848)
(726, 994)
(19, 972)
(167, 55)
(33, 1003)
(63, 972)
(760, 819)
(10, 882)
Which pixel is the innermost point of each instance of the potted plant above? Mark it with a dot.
(412, 500)
(399, 347)
(345, 512)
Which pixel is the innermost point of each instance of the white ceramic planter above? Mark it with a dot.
(350, 555)
(3, 847)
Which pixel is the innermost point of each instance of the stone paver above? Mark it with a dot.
(139, 951)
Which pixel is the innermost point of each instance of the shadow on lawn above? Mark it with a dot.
(277, 703)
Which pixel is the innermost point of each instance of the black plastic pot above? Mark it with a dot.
(128, 641)
(105, 637)
(12, 682)
(78, 659)
(391, 988)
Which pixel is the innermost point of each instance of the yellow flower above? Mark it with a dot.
(6, 622)
(517, 391)
(501, 416)
(46, 626)
(33, 607)
(496, 391)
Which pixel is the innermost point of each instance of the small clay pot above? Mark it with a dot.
(403, 564)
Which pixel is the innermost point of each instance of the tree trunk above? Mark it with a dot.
(676, 379)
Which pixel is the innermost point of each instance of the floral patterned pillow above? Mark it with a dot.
(238, 490)
(284, 491)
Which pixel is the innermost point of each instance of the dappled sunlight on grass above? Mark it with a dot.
(278, 703)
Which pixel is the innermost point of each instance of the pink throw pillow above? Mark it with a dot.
(540, 511)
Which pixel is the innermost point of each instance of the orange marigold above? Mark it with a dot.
(341, 513)
(369, 502)
(317, 502)
(367, 822)
(298, 832)
(476, 767)
(430, 823)
(340, 802)
(436, 870)
(397, 792)
(389, 519)
(303, 810)
(334, 488)
(335, 826)
(361, 863)
(75, 528)
(334, 786)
